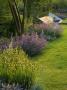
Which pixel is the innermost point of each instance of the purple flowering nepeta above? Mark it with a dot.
(4, 43)
(49, 31)
(31, 44)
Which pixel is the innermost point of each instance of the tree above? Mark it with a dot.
(31, 8)
(16, 16)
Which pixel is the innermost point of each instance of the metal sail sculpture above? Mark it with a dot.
(55, 18)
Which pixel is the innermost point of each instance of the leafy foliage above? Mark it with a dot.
(16, 68)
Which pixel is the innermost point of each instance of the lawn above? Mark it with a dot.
(51, 73)
(65, 21)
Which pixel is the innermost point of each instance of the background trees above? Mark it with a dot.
(29, 9)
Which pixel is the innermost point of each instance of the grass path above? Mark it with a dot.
(51, 73)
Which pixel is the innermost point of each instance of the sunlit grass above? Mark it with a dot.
(52, 64)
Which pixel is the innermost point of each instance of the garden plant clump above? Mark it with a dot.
(31, 44)
(48, 31)
(4, 43)
(16, 68)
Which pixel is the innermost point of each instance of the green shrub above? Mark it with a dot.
(16, 68)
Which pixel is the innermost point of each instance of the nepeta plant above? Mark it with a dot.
(31, 44)
(49, 31)
(4, 43)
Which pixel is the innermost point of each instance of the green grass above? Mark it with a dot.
(51, 73)
(65, 21)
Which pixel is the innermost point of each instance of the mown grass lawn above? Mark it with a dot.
(51, 73)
